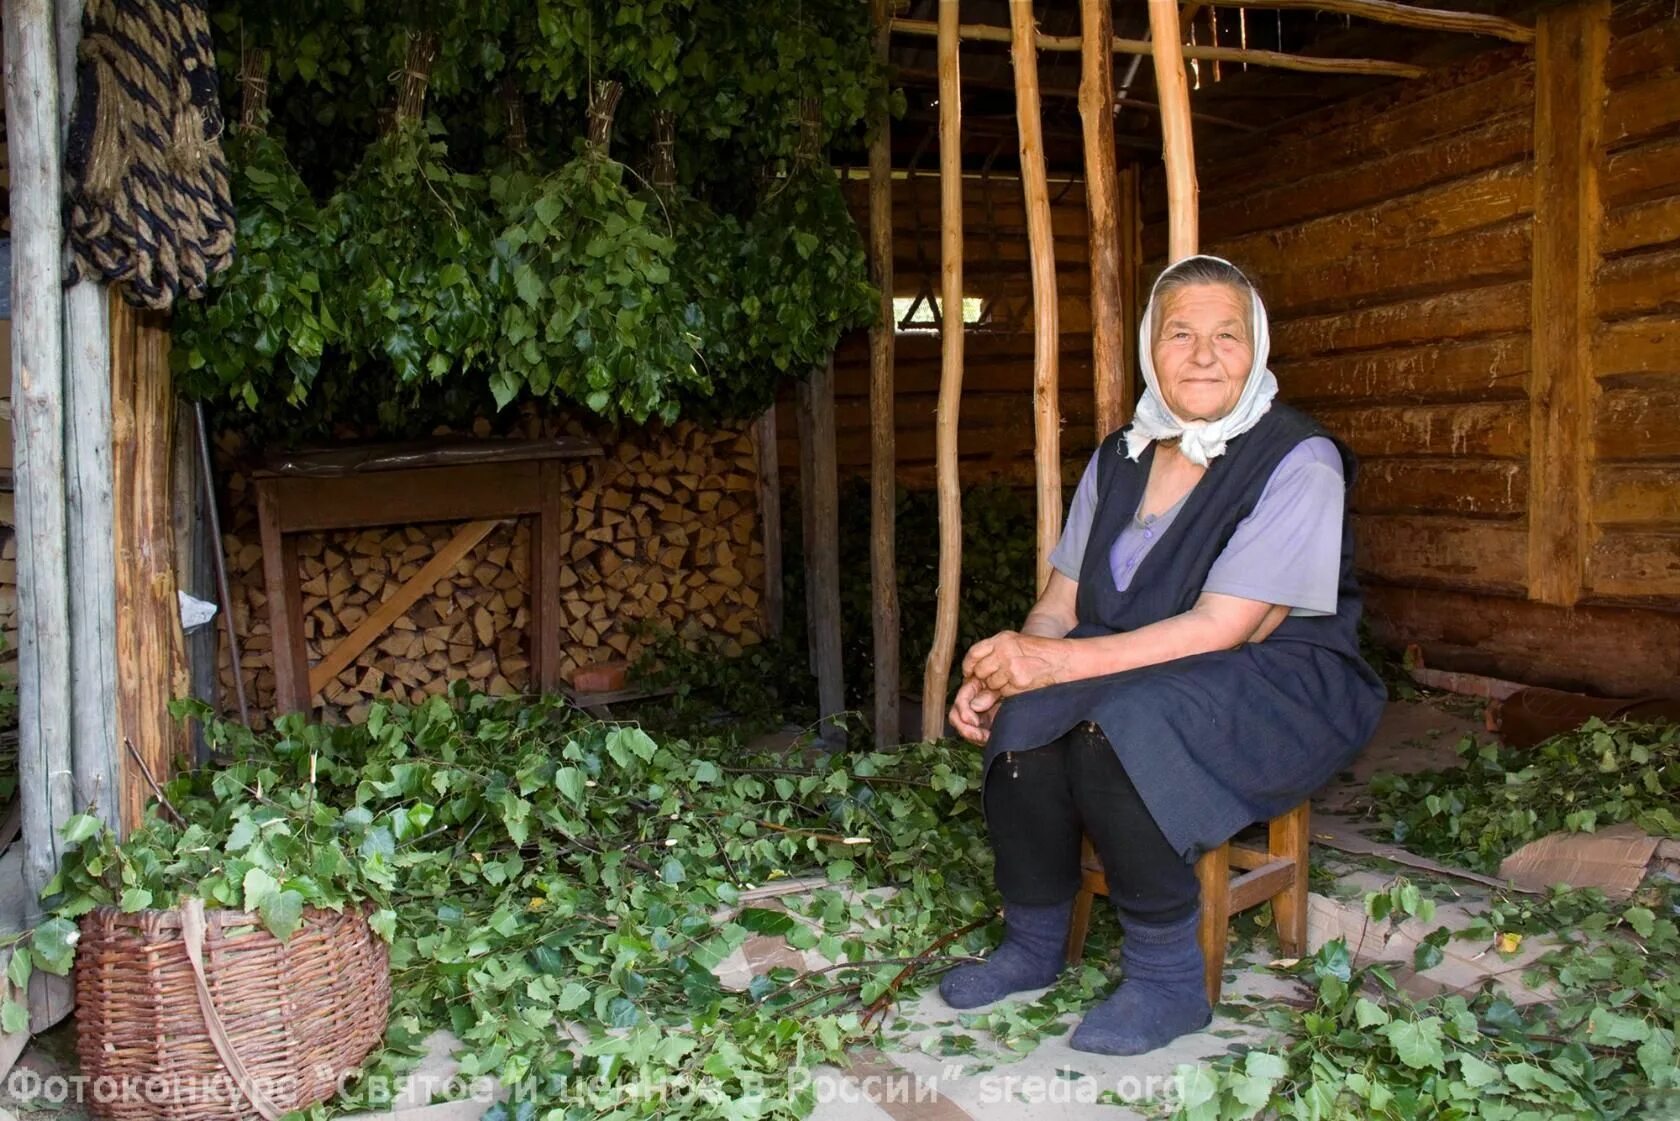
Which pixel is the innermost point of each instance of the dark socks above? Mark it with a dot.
(1162, 993)
(1030, 956)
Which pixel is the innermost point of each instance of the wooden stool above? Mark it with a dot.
(1277, 873)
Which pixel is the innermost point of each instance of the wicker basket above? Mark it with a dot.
(246, 1027)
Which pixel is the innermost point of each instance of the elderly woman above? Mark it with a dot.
(1192, 666)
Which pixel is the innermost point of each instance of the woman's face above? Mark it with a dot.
(1203, 350)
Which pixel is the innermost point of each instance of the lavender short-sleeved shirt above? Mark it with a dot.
(1287, 551)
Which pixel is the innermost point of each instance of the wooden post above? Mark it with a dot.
(1109, 372)
(766, 460)
(1047, 421)
(937, 678)
(1178, 146)
(1568, 120)
(148, 613)
(92, 561)
(883, 436)
(1130, 228)
(45, 785)
(822, 538)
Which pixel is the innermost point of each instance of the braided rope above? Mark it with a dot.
(149, 201)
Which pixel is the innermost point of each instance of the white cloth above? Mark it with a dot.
(1199, 440)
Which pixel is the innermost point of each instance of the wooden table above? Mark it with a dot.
(481, 482)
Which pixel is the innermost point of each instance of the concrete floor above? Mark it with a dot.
(908, 1078)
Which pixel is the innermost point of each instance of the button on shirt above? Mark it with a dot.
(1287, 551)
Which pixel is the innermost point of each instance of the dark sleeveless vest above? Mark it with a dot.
(1214, 741)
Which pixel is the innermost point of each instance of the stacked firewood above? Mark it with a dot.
(663, 535)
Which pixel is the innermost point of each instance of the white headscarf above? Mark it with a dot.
(1199, 440)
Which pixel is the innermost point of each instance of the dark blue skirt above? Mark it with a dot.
(1217, 741)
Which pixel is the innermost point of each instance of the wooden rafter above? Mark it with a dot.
(1404, 15)
(985, 33)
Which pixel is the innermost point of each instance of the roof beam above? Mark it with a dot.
(1405, 15)
(986, 33)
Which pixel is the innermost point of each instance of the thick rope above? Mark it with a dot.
(149, 201)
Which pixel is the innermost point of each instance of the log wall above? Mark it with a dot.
(996, 441)
(1394, 239)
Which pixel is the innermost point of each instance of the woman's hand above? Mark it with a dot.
(973, 711)
(1010, 662)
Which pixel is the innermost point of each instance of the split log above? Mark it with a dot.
(1109, 369)
(936, 680)
(1047, 428)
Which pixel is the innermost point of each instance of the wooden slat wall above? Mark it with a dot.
(1391, 240)
(997, 422)
(1393, 237)
(1634, 549)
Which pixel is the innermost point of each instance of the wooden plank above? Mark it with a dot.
(1103, 204)
(1253, 888)
(408, 497)
(1458, 553)
(1649, 345)
(883, 456)
(1642, 224)
(1177, 141)
(1639, 285)
(1456, 207)
(1635, 563)
(1477, 370)
(1642, 109)
(1490, 310)
(1637, 423)
(769, 517)
(941, 653)
(1494, 429)
(822, 518)
(1641, 172)
(1469, 487)
(350, 647)
(1319, 190)
(1047, 428)
(285, 603)
(1614, 650)
(1630, 495)
(542, 636)
(1568, 212)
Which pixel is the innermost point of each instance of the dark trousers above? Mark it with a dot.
(1039, 802)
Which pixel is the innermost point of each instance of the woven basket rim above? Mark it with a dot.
(170, 917)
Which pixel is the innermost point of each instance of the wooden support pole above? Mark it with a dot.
(883, 437)
(1047, 420)
(1102, 204)
(770, 517)
(1309, 64)
(822, 536)
(148, 629)
(1405, 15)
(1568, 121)
(937, 677)
(45, 785)
(92, 560)
(1177, 144)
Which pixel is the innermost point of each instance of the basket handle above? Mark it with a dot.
(192, 933)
